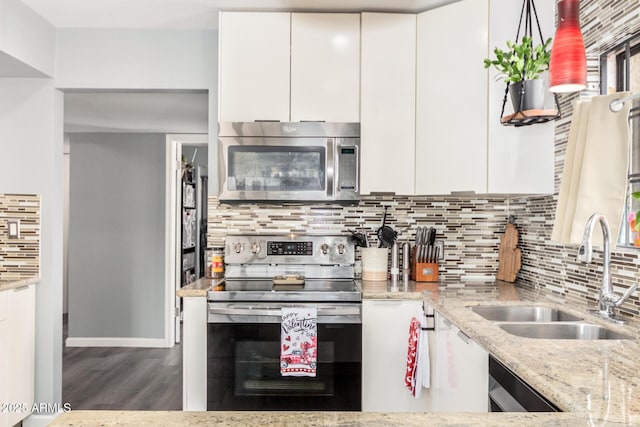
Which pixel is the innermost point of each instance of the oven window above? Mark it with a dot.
(258, 372)
(276, 168)
(243, 370)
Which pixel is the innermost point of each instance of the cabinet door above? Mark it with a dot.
(460, 380)
(325, 67)
(388, 85)
(4, 355)
(521, 160)
(451, 105)
(21, 325)
(385, 333)
(254, 66)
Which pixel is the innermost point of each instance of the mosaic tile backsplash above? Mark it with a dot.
(470, 227)
(20, 259)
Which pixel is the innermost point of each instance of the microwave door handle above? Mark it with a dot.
(357, 180)
(331, 175)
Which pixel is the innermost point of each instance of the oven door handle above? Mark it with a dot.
(232, 313)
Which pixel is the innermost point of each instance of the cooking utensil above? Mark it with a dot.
(359, 239)
(386, 234)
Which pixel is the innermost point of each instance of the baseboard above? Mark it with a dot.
(116, 342)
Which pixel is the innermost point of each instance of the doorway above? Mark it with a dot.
(126, 118)
(187, 202)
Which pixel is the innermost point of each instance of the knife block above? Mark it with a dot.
(423, 271)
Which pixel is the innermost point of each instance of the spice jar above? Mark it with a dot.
(215, 263)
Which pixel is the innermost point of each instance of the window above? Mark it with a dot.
(620, 71)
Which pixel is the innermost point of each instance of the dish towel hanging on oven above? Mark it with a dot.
(299, 341)
(417, 374)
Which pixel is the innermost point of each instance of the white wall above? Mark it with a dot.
(116, 238)
(27, 37)
(31, 139)
(121, 59)
(136, 59)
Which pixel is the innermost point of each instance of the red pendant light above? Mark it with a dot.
(568, 66)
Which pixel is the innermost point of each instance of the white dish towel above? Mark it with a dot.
(594, 178)
(299, 341)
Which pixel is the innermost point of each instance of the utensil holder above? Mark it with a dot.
(427, 272)
(374, 264)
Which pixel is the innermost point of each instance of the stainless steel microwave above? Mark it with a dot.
(277, 161)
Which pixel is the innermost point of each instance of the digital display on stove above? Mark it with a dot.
(290, 248)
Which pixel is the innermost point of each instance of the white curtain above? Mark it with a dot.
(594, 178)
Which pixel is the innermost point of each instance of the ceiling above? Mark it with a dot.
(195, 14)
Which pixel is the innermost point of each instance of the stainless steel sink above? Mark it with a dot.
(518, 313)
(562, 331)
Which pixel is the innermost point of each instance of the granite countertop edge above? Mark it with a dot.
(198, 288)
(6, 285)
(316, 419)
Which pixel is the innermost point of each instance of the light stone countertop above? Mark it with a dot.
(199, 288)
(6, 285)
(316, 419)
(599, 378)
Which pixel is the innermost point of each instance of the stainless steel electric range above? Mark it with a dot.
(264, 273)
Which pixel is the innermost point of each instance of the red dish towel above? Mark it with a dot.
(298, 341)
(412, 356)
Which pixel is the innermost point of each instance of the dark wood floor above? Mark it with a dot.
(122, 378)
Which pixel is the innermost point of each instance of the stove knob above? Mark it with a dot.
(324, 248)
(238, 247)
(255, 247)
(342, 248)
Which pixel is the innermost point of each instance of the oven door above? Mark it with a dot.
(274, 168)
(243, 360)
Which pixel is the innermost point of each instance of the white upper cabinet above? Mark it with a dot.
(325, 67)
(521, 160)
(254, 66)
(451, 107)
(388, 93)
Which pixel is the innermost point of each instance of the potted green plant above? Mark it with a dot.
(521, 64)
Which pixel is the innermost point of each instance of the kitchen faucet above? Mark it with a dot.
(607, 299)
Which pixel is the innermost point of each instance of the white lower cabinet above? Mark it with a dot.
(18, 354)
(4, 355)
(459, 366)
(385, 333)
(460, 375)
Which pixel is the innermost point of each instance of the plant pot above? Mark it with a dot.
(533, 95)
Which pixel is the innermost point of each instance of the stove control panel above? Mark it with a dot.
(294, 249)
(290, 248)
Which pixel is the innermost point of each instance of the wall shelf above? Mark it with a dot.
(529, 117)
